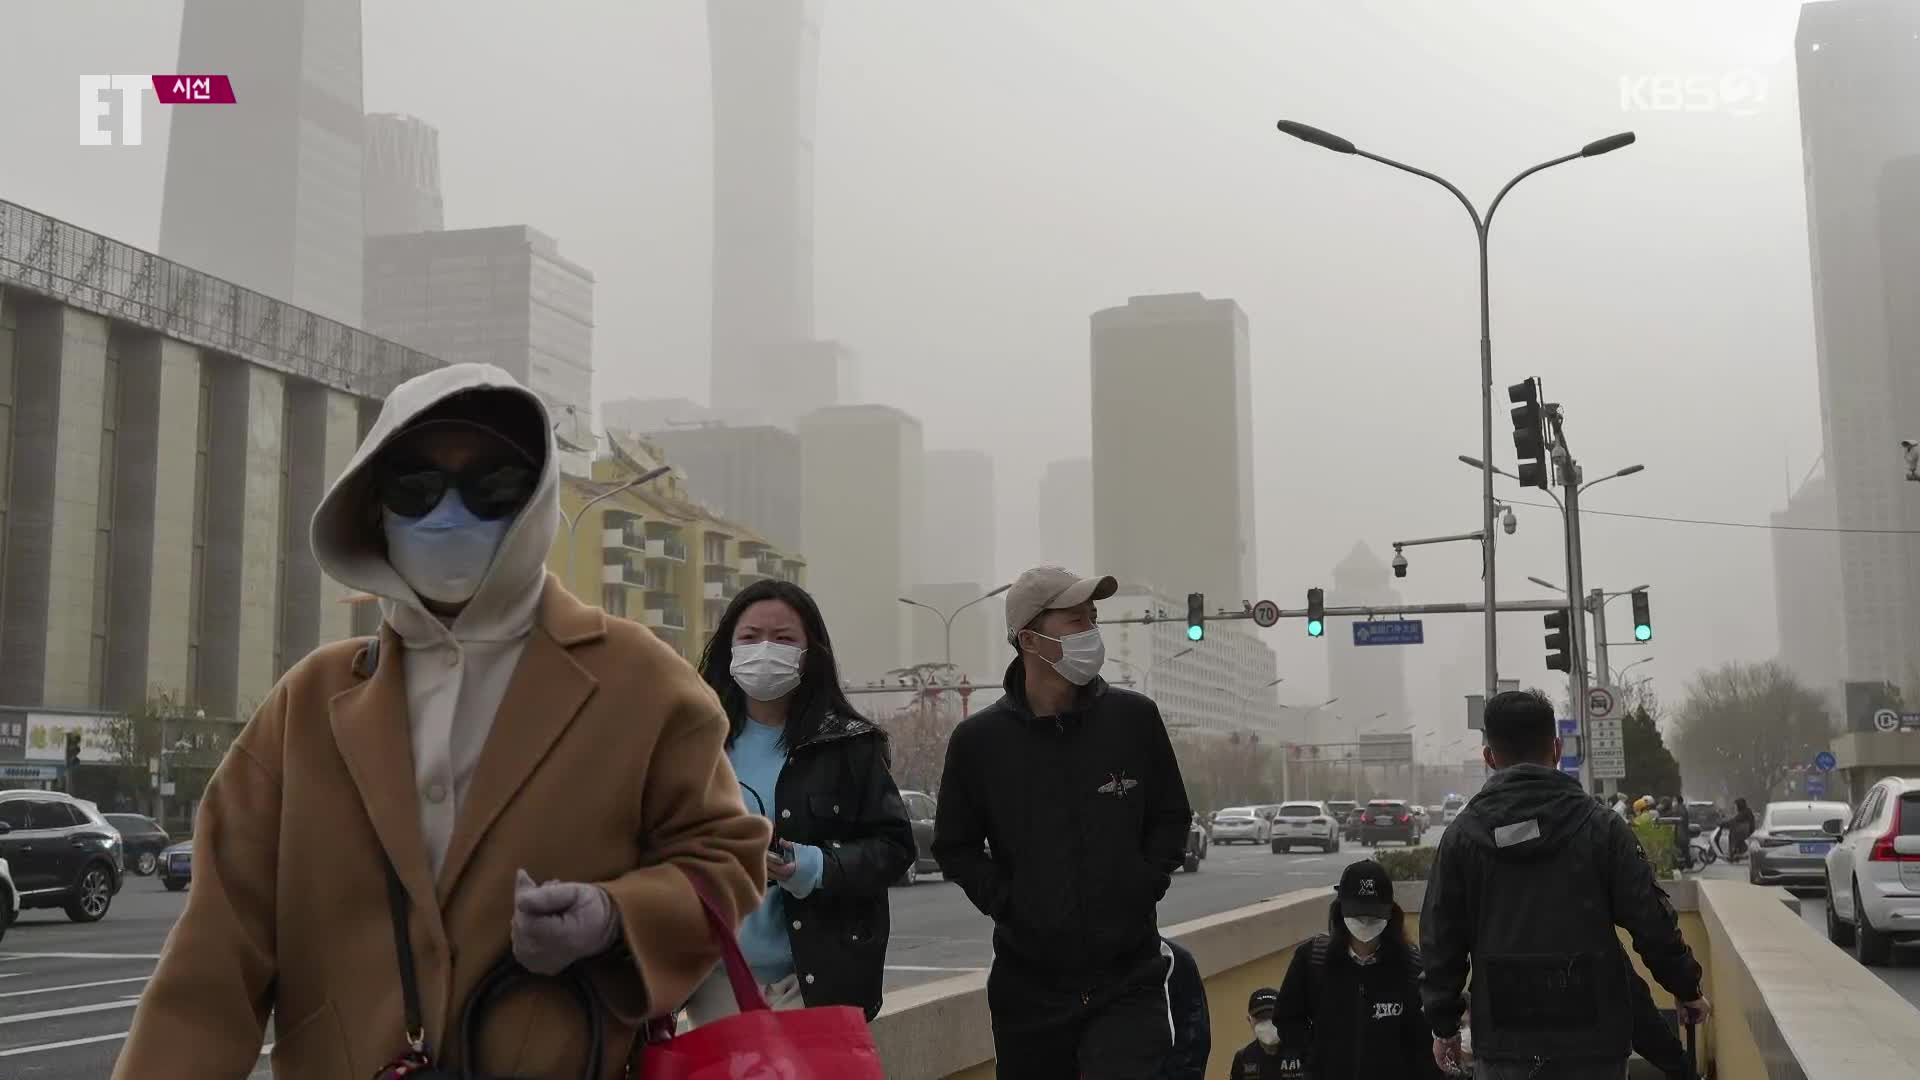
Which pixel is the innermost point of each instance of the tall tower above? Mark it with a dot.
(1859, 75)
(1173, 447)
(402, 181)
(267, 192)
(764, 58)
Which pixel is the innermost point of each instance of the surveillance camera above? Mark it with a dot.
(1509, 522)
(1399, 564)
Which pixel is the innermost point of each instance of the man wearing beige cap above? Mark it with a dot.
(1062, 815)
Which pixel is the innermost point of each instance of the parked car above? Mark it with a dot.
(1450, 809)
(1387, 819)
(920, 811)
(1790, 845)
(1241, 825)
(176, 866)
(143, 840)
(1196, 846)
(1873, 872)
(9, 899)
(61, 852)
(1305, 823)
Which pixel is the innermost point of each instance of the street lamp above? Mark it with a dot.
(1142, 673)
(1481, 223)
(948, 619)
(573, 523)
(1619, 676)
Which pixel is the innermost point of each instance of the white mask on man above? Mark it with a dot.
(1081, 655)
(1267, 1033)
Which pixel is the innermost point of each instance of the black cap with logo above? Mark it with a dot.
(1365, 891)
(1263, 1002)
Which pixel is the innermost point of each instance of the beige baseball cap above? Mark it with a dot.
(1047, 588)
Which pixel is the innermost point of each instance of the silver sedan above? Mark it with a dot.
(1789, 847)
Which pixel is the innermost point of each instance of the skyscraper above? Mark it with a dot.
(266, 193)
(1367, 679)
(1806, 586)
(1173, 447)
(749, 474)
(402, 181)
(959, 517)
(1066, 514)
(1859, 76)
(764, 59)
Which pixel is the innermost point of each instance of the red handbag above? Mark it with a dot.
(759, 1043)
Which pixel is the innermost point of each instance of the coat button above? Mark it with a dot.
(836, 808)
(786, 813)
(436, 793)
(809, 980)
(796, 924)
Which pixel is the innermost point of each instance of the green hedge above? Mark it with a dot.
(1657, 841)
(1407, 864)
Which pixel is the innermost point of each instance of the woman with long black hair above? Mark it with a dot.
(1351, 997)
(819, 770)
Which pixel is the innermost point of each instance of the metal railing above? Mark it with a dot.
(95, 273)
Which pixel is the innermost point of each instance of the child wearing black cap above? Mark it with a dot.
(1265, 1058)
(1355, 990)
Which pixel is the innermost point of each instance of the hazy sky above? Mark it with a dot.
(990, 172)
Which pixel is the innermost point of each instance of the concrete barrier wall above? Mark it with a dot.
(1788, 1005)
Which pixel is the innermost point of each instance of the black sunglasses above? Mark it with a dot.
(490, 490)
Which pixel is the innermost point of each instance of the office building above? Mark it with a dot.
(1806, 586)
(157, 473)
(501, 296)
(959, 530)
(979, 635)
(751, 475)
(860, 525)
(655, 555)
(1859, 80)
(266, 193)
(1218, 687)
(1172, 413)
(1066, 514)
(402, 180)
(639, 415)
(1369, 681)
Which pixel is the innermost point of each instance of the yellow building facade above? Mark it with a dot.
(650, 553)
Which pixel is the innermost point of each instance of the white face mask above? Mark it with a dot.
(1364, 930)
(766, 670)
(1267, 1033)
(1081, 655)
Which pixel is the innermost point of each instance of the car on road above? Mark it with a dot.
(176, 866)
(1873, 872)
(1706, 814)
(9, 899)
(1200, 836)
(1305, 823)
(1345, 811)
(921, 809)
(1387, 819)
(61, 852)
(1450, 809)
(1241, 825)
(1196, 846)
(1790, 846)
(143, 840)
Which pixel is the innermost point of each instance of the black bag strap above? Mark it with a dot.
(409, 979)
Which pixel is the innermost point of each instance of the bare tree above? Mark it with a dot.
(1235, 770)
(1742, 728)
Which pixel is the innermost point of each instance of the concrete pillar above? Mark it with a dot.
(47, 626)
(151, 569)
(366, 616)
(323, 428)
(241, 576)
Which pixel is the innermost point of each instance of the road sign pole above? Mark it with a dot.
(1576, 592)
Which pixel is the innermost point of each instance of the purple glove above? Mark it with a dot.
(560, 922)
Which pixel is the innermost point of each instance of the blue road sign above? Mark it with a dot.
(1824, 761)
(1816, 785)
(1569, 727)
(1390, 632)
(1570, 763)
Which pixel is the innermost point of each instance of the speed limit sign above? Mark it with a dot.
(1266, 613)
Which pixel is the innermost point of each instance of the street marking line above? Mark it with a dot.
(74, 986)
(955, 970)
(77, 956)
(41, 1048)
(71, 1010)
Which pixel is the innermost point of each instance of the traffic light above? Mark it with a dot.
(1316, 612)
(1559, 658)
(1642, 620)
(1196, 616)
(1529, 433)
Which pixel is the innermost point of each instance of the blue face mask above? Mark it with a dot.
(445, 554)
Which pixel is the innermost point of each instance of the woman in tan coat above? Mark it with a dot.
(499, 733)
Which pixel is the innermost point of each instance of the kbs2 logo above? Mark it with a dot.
(169, 89)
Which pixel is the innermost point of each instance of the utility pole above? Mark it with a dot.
(1597, 603)
(1569, 470)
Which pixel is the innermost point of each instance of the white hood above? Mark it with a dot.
(351, 548)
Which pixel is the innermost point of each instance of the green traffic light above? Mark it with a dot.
(1643, 632)
(1314, 627)
(1195, 633)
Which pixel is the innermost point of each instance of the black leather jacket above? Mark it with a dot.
(836, 793)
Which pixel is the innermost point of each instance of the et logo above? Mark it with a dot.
(95, 106)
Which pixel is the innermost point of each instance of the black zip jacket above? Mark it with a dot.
(1065, 831)
(1357, 1021)
(836, 793)
(1527, 888)
(1192, 1031)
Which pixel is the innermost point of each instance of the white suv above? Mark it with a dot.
(1873, 872)
(9, 899)
(1305, 823)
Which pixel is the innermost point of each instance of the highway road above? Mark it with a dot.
(67, 992)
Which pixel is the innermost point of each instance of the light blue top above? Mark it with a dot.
(757, 760)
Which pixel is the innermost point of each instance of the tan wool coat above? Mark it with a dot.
(605, 764)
